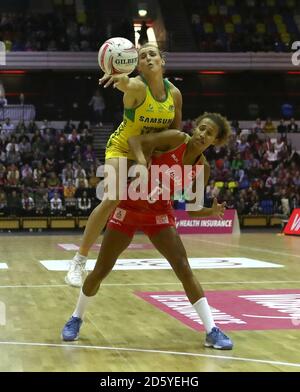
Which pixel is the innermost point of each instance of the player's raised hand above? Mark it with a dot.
(218, 209)
(119, 80)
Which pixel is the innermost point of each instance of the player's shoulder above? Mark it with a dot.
(173, 88)
(176, 94)
(176, 138)
(203, 161)
(183, 136)
(176, 133)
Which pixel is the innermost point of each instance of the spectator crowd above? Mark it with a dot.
(47, 171)
(256, 174)
(57, 32)
(244, 26)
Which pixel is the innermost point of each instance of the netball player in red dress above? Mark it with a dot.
(155, 218)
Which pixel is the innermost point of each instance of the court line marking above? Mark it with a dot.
(32, 286)
(120, 353)
(152, 284)
(249, 248)
(179, 353)
(208, 283)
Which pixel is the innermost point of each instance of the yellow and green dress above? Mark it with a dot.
(150, 116)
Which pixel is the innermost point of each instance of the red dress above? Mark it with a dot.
(155, 213)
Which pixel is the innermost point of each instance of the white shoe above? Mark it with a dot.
(76, 271)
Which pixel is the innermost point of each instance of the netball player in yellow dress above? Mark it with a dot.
(151, 104)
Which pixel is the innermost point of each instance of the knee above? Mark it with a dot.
(100, 272)
(95, 276)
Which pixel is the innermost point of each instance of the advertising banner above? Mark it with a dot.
(212, 225)
(293, 225)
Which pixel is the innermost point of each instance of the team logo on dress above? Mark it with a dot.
(150, 108)
(174, 157)
(119, 214)
(162, 219)
(171, 108)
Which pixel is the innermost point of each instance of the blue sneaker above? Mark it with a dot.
(217, 339)
(70, 331)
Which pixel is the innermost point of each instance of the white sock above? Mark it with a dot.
(79, 258)
(82, 303)
(204, 312)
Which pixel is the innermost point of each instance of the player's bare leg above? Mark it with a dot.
(95, 225)
(169, 244)
(106, 260)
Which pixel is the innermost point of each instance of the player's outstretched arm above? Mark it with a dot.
(122, 82)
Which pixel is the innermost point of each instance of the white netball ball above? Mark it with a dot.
(117, 55)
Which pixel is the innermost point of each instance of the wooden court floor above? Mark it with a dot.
(123, 332)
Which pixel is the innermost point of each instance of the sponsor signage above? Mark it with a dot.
(293, 225)
(212, 225)
(234, 310)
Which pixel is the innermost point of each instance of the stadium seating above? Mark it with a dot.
(274, 21)
(68, 170)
